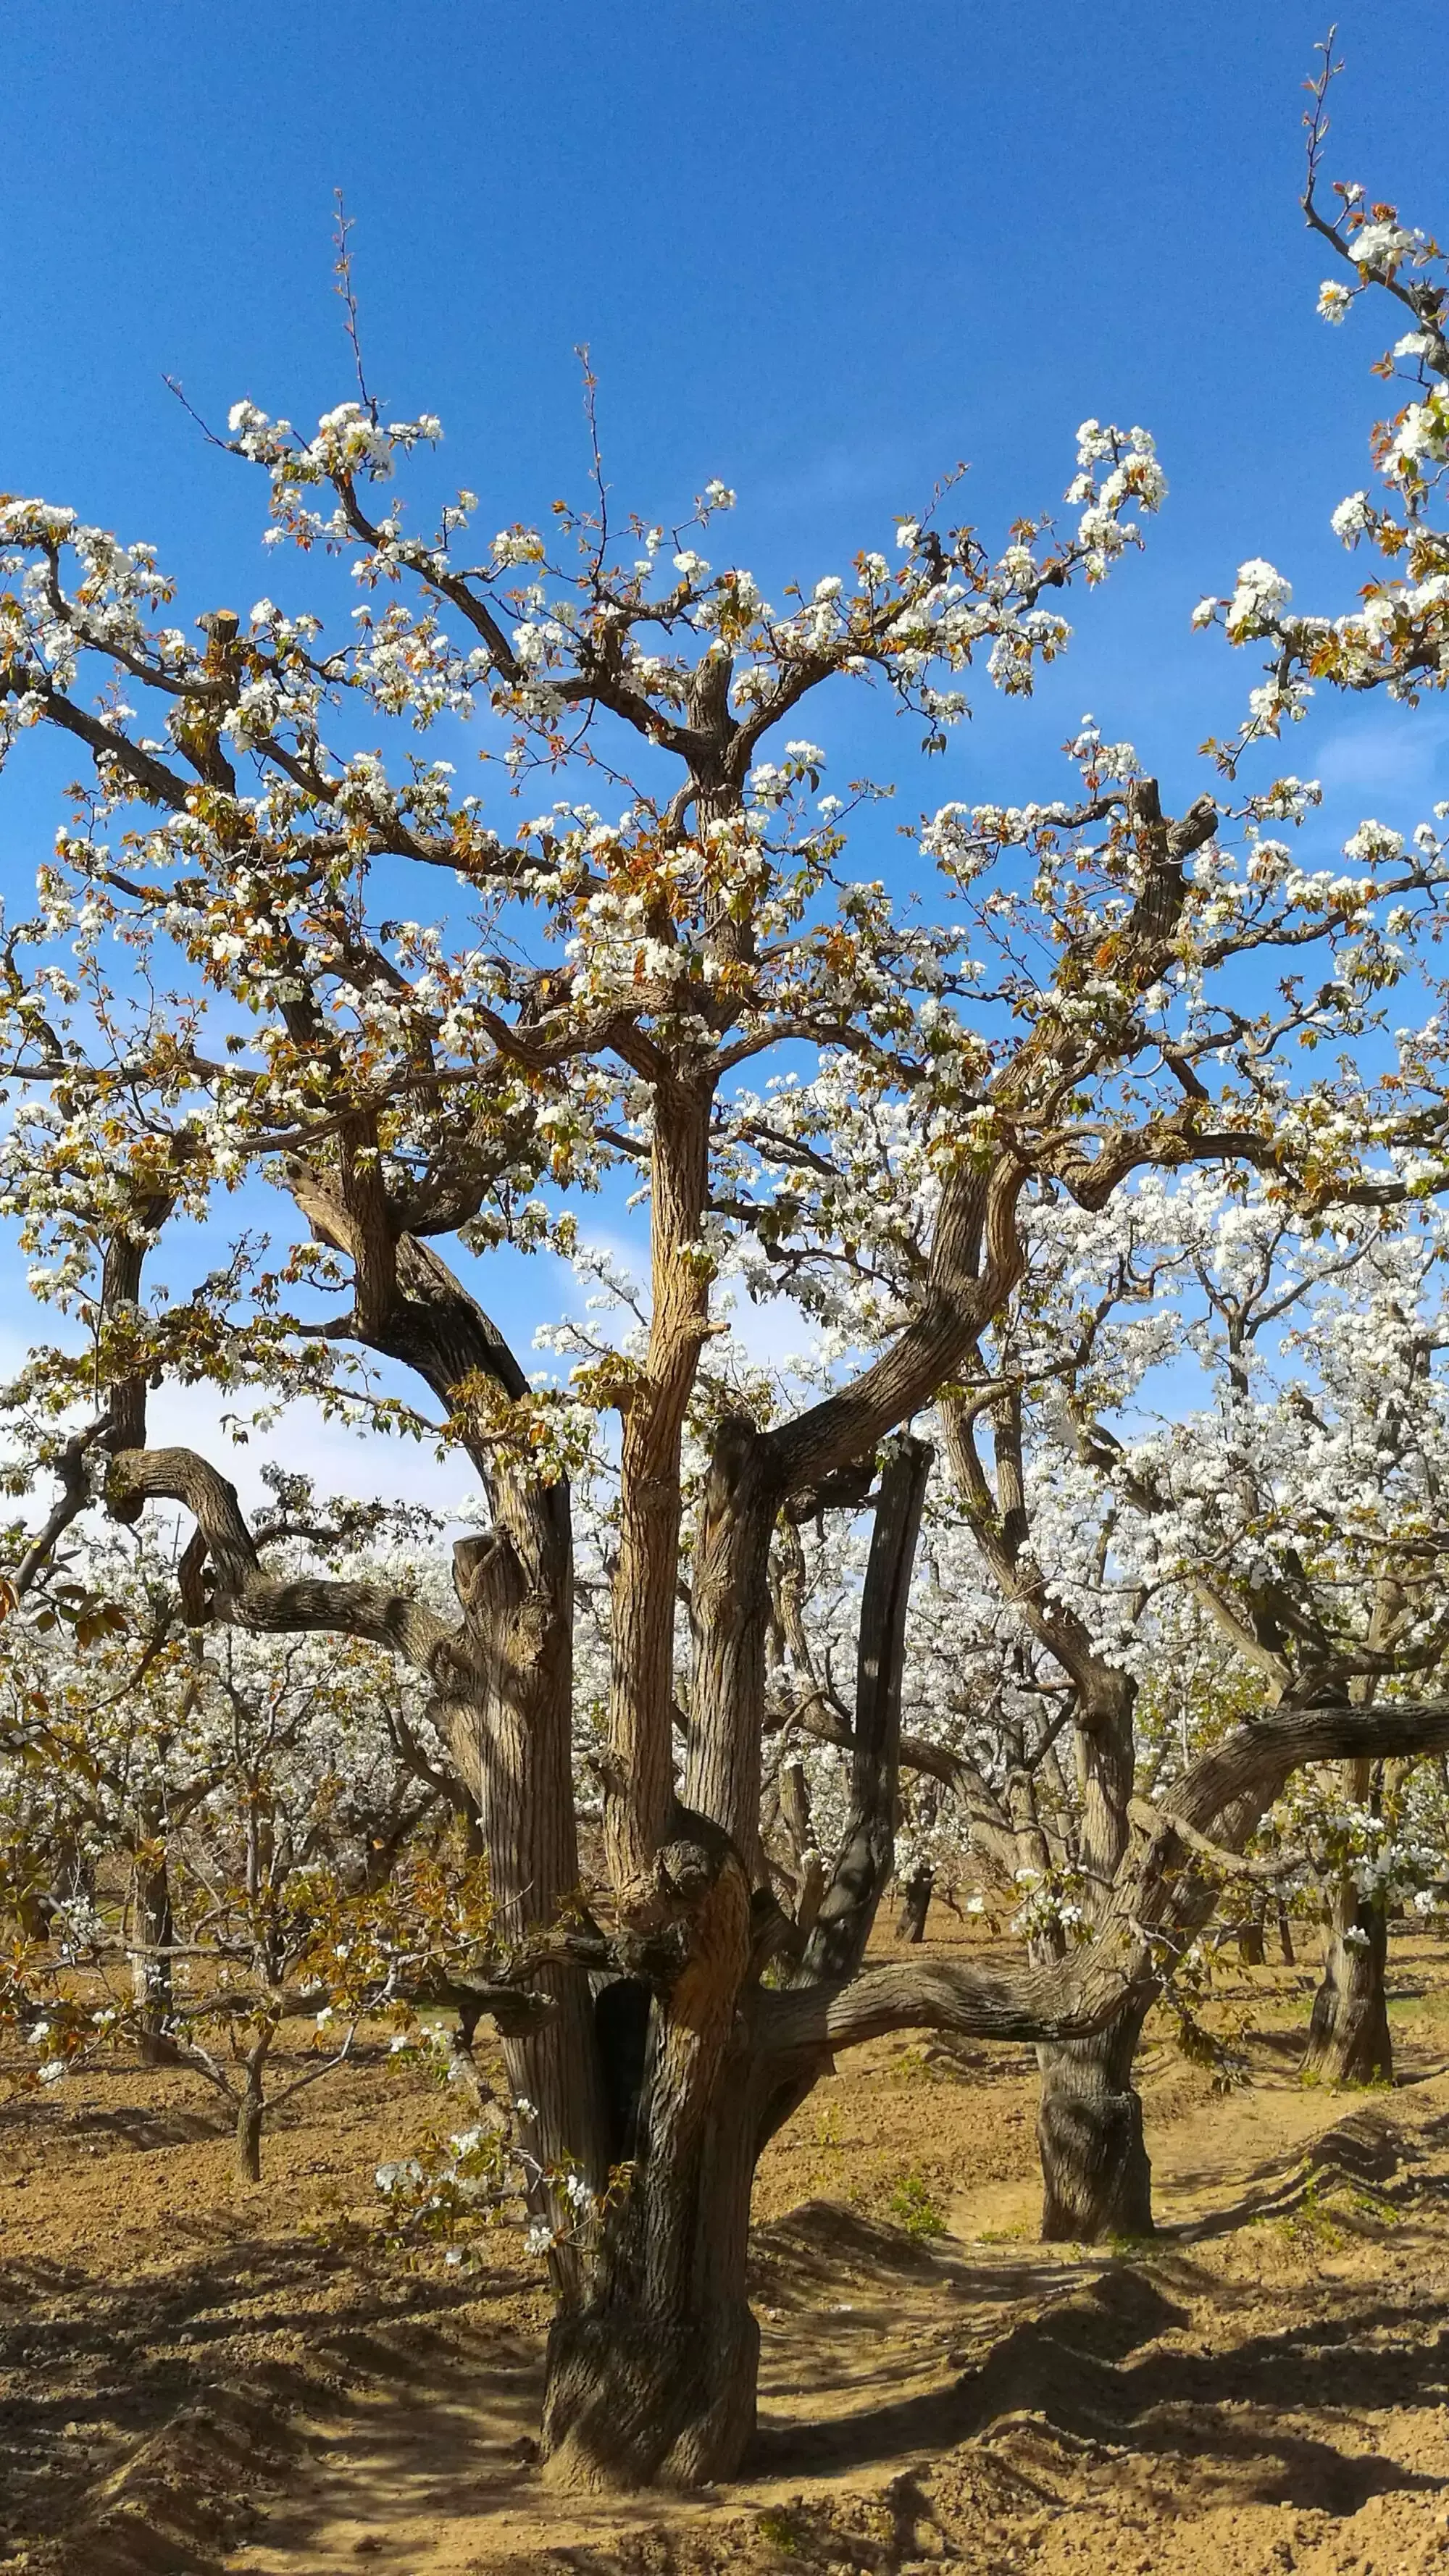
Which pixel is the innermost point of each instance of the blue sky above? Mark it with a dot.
(821, 250)
(819, 247)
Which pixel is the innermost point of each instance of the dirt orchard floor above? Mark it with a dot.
(199, 2378)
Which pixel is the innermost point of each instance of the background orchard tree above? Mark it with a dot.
(1052, 1566)
(1037, 1618)
(104, 1751)
(223, 989)
(191, 1808)
(1042, 1610)
(1021, 1662)
(1302, 1508)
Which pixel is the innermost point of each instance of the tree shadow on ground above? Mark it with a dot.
(1072, 2370)
(99, 2371)
(1363, 2153)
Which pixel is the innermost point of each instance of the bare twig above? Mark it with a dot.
(342, 271)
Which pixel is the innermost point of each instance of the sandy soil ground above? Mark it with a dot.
(201, 2379)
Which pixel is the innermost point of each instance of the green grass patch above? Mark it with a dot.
(912, 2207)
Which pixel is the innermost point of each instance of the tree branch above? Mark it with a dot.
(1078, 1996)
(241, 1595)
(867, 1850)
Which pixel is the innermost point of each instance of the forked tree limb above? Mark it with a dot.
(1159, 1826)
(976, 1252)
(513, 2008)
(122, 1424)
(1078, 1996)
(815, 1717)
(73, 1474)
(1257, 1759)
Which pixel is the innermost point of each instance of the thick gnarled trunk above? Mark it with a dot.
(508, 1715)
(651, 2378)
(639, 2399)
(510, 1738)
(1348, 2037)
(652, 2381)
(1096, 2174)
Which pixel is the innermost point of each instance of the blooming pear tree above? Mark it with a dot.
(253, 1788)
(1097, 1301)
(1397, 639)
(278, 957)
(1301, 1507)
(1020, 1657)
(1042, 1611)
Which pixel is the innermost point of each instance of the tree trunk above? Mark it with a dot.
(1285, 1937)
(33, 1909)
(1096, 2176)
(651, 2390)
(1348, 2037)
(507, 1710)
(916, 1904)
(1095, 2169)
(652, 2379)
(866, 1859)
(151, 1974)
(250, 2112)
(637, 2397)
(1251, 1933)
(510, 1740)
(729, 1605)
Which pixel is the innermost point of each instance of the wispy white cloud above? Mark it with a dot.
(1396, 752)
(368, 1464)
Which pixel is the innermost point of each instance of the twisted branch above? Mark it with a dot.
(241, 1595)
(1075, 1998)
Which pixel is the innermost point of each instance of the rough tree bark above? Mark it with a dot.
(655, 2379)
(651, 2370)
(155, 1934)
(651, 2378)
(1096, 2174)
(1349, 2041)
(1253, 1931)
